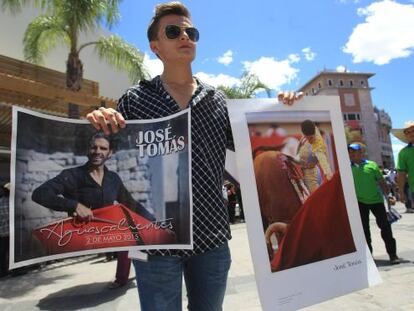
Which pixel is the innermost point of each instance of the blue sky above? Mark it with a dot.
(286, 43)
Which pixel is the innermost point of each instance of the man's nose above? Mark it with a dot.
(183, 35)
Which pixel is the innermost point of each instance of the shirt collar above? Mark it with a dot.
(87, 165)
(363, 162)
(202, 90)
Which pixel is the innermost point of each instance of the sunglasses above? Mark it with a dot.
(174, 31)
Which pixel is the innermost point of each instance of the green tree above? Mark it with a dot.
(249, 86)
(63, 22)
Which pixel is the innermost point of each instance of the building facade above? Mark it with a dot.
(363, 121)
(384, 126)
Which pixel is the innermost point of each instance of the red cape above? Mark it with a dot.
(320, 229)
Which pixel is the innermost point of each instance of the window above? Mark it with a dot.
(341, 83)
(362, 82)
(344, 116)
(330, 82)
(351, 83)
(349, 99)
(319, 85)
(313, 91)
(351, 116)
(358, 116)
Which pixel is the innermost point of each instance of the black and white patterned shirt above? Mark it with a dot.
(210, 135)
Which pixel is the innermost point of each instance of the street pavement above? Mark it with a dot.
(81, 283)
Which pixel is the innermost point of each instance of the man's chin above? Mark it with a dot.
(96, 162)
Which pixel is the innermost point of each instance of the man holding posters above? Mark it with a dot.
(173, 38)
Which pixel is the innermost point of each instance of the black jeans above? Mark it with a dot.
(378, 210)
(408, 197)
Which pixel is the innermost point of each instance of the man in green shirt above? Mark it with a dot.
(405, 164)
(367, 179)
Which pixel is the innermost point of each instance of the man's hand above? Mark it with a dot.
(82, 211)
(100, 118)
(289, 98)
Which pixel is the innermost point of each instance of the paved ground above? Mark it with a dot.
(81, 283)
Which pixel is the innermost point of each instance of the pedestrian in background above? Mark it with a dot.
(367, 177)
(232, 201)
(405, 164)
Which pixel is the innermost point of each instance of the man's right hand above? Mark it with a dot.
(289, 98)
(82, 211)
(102, 117)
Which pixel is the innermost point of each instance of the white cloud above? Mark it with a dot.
(386, 34)
(308, 53)
(341, 68)
(153, 65)
(226, 59)
(216, 80)
(294, 58)
(272, 72)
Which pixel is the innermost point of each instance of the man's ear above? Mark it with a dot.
(110, 154)
(154, 48)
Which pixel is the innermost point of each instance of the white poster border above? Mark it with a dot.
(316, 282)
(13, 264)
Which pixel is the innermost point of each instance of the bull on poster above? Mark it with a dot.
(134, 185)
(301, 212)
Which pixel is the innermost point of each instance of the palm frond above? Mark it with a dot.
(112, 12)
(85, 15)
(122, 56)
(231, 92)
(15, 6)
(41, 35)
(249, 86)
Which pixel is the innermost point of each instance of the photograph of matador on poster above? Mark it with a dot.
(301, 212)
(76, 191)
(298, 156)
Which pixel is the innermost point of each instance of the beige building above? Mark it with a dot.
(366, 123)
(384, 125)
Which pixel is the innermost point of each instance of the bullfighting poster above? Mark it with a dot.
(302, 216)
(76, 191)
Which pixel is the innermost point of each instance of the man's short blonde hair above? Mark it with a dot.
(164, 9)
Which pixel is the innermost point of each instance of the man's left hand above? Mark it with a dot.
(289, 98)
